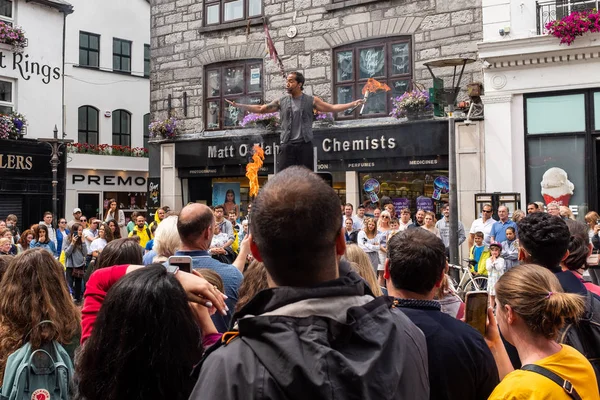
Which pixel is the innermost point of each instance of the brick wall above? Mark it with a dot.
(181, 46)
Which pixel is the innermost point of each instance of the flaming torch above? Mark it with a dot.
(252, 169)
(371, 86)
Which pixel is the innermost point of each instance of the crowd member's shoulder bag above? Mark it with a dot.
(584, 334)
(565, 384)
(41, 374)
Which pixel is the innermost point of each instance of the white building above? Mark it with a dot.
(31, 83)
(542, 104)
(107, 103)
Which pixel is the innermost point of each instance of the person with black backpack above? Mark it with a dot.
(531, 308)
(39, 326)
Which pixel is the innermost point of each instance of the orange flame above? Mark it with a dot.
(253, 167)
(372, 86)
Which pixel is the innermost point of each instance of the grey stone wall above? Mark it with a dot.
(440, 28)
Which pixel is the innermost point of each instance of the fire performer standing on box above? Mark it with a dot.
(296, 114)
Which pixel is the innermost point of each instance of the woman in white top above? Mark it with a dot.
(113, 212)
(104, 237)
(429, 224)
(368, 241)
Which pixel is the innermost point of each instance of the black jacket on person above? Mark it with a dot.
(331, 341)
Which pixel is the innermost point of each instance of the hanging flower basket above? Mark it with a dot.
(568, 28)
(12, 126)
(268, 121)
(13, 36)
(167, 128)
(107, 149)
(411, 105)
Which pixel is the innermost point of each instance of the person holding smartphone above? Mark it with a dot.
(461, 365)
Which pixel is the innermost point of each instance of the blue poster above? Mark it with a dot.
(228, 195)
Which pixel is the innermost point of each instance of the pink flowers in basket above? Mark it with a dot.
(573, 25)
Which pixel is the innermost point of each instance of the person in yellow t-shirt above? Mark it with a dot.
(141, 230)
(530, 310)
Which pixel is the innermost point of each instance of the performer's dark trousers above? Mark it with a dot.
(295, 154)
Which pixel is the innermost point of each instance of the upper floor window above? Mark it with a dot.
(6, 11)
(89, 49)
(121, 55)
(87, 131)
(6, 97)
(146, 60)
(387, 60)
(121, 130)
(146, 130)
(240, 81)
(221, 11)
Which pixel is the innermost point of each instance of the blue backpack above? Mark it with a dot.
(42, 374)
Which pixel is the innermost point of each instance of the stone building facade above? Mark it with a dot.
(182, 46)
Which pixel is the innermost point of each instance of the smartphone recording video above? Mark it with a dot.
(476, 310)
(183, 262)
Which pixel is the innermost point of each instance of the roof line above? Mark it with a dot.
(61, 6)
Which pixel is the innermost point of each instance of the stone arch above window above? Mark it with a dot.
(371, 30)
(213, 55)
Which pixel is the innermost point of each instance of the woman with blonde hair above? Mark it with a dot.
(368, 241)
(34, 290)
(166, 239)
(566, 213)
(429, 224)
(531, 308)
(362, 265)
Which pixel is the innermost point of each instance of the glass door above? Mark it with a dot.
(89, 204)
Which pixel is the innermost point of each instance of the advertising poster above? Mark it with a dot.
(153, 195)
(400, 204)
(425, 203)
(226, 194)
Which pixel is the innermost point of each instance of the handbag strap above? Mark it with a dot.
(565, 384)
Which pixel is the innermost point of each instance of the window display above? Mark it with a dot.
(415, 190)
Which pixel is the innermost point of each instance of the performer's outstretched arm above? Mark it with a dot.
(322, 106)
(257, 108)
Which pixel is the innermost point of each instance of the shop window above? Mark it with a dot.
(240, 81)
(556, 114)
(146, 60)
(121, 130)
(89, 49)
(387, 60)
(121, 55)
(566, 182)
(597, 111)
(87, 125)
(414, 190)
(146, 130)
(222, 11)
(6, 97)
(6, 11)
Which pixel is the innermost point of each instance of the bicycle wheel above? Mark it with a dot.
(478, 283)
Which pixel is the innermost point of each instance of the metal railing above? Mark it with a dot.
(547, 11)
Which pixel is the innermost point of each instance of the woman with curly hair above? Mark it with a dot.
(34, 290)
(25, 240)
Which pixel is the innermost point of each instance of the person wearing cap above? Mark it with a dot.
(495, 267)
(76, 216)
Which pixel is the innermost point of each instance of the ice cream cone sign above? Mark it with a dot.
(556, 187)
(253, 167)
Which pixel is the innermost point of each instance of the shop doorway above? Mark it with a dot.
(89, 204)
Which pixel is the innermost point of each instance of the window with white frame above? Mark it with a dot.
(7, 104)
(6, 11)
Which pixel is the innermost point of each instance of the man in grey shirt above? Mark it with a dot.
(296, 115)
(444, 227)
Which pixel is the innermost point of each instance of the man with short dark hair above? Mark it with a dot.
(140, 230)
(313, 332)
(195, 226)
(76, 218)
(223, 222)
(532, 208)
(419, 218)
(498, 232)
(296, 114)
(444, 227)
(461, 365)
(359, 218)
(483, 224)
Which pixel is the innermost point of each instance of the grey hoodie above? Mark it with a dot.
(75, 256)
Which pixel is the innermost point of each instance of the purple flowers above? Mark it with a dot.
(12, 35)
(575, 24)
(321, 116)
(11, 126)
(410, 102)
(269, 119)
(166, 128)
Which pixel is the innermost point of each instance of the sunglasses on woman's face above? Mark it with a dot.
(83, 220)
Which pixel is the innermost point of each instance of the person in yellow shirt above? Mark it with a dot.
(530, 310)
(141, 230)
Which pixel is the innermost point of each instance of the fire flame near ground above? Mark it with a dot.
(253, 168)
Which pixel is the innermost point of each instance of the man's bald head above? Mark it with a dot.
(295, 223)
(193, 220)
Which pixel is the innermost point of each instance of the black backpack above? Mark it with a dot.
(584, 335)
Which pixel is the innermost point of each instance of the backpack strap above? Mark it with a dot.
(148, 233)
(565, 384)
(47, 321)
